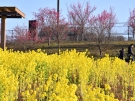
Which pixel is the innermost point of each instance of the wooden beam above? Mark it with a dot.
(8, 13)
(3, 32)
(13, 16)
(6, 9)
(19, 12)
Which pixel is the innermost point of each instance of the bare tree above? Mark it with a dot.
(20, 30)
(21, 38)
(101, 26)
(78, 16)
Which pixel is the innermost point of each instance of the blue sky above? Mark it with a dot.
(121, 8)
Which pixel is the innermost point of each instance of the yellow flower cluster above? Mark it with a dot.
(70, 76)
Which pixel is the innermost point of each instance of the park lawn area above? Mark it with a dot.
(112, 49)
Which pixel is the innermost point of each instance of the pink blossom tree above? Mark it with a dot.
(48, 26)
(131, 21)
(78, 16)
(101, 26)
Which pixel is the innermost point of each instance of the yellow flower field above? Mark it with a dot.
(71, 76)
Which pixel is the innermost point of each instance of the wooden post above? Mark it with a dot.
(3, 32)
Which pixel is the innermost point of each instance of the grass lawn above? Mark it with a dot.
(112, 49)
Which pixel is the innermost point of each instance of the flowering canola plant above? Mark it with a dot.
(70, 76)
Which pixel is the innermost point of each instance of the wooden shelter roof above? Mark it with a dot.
(11, 12)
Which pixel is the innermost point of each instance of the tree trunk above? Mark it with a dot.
(100, 51)
(49, 41)
(76, 37)
(81, 36)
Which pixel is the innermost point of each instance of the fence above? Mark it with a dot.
(120, 29)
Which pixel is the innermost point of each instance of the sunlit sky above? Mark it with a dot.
(121, 8)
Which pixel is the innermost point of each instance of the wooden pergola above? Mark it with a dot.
(8, 12)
